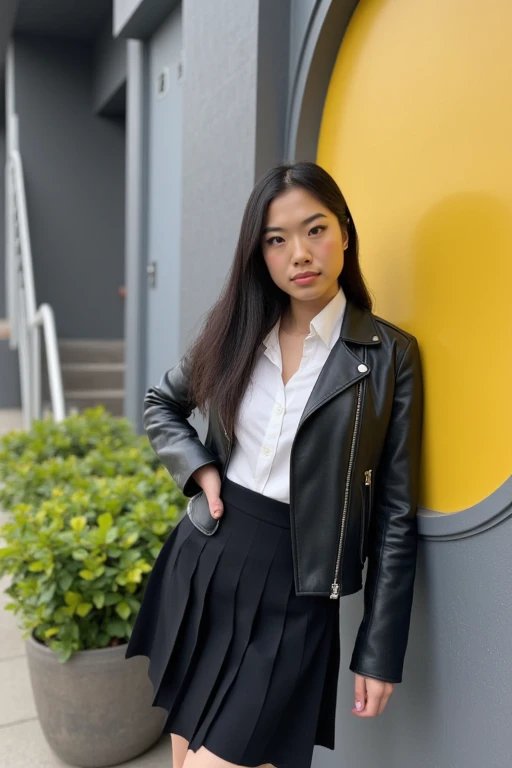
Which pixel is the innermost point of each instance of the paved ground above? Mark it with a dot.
(22, 743)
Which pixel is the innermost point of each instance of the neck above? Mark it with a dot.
(298, 315)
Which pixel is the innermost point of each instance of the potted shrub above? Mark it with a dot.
(89, 509)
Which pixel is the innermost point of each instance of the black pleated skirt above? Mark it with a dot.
(241, 664)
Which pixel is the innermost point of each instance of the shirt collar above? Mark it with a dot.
(326, 325)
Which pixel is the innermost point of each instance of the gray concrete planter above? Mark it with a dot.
(95, 709)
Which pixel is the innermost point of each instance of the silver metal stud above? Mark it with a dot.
(375, 338)
(362, 368)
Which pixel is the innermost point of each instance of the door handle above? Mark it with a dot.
(151, 271)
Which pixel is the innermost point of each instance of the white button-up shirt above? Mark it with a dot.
(270, 412)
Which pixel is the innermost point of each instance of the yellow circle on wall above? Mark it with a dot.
(417, 131)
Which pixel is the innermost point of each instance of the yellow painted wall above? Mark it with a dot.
(417, 130)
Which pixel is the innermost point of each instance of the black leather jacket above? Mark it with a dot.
(353, 478)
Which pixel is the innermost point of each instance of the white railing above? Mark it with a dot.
(25, 318)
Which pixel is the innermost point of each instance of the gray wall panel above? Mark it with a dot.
(109, 69)
(219, 113)
(74, 172)
(136, 230)
(453, 708)
(123, 11)
(164, 197)
(2, 221)
(10, 396)
(272, 84)
(139, 19)
(302, 12)
(8, 10)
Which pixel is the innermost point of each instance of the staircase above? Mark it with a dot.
(92, 374)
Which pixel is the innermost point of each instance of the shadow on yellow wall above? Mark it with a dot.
(459, 300)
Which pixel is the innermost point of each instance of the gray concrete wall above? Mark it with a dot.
(453, 708)
(9, 376)
(220, 144)
(139, 19)
(74, 174)
(2, 220)
(123, 12)
(109, 74)
(136, 229)
(10, 396)
(164, 154)
(8, 10)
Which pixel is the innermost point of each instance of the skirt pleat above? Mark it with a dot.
(189, 629)
(240, 663)
(225, 637)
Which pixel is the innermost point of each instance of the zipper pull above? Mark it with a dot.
(368, 477)
(224, 430)
(335, 591)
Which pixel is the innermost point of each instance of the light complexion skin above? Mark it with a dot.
(302, 235)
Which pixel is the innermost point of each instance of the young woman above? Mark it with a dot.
(309, 467)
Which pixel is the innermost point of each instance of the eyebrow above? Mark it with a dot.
(303, 223)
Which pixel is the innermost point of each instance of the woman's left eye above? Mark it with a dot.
(316, 230)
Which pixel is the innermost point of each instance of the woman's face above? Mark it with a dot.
(303, 236)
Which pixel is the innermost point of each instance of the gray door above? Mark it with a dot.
(164, 196)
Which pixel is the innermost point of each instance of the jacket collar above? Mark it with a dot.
(344, 368)
(359, 326)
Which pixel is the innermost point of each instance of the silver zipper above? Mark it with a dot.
(230, 448)
(367, 505)
(335, 586)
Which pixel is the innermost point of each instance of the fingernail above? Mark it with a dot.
(359, 706)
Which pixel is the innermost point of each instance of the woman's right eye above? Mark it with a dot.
(270, 241)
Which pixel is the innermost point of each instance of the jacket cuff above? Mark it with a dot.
(360, 671)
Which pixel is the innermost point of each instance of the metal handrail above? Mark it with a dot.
(26, 320)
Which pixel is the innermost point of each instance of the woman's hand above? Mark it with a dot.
(371, 695)
(208, 478)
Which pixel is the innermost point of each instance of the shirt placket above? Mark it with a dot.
(274, 426)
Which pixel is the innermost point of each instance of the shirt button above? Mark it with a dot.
(266, 451)
(278, 409)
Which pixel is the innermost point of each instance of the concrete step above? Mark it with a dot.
(78, 400)
(88, 376)
(91, 350)
(112, 399)
(10, 419)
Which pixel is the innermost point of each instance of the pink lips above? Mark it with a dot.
(305, 278)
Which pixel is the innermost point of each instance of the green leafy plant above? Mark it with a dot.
(90, 507)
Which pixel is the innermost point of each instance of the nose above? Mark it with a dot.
(300, 253)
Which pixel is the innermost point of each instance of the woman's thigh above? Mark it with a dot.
(179, 750)
(203, 758)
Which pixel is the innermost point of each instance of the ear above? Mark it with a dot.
(344, 239)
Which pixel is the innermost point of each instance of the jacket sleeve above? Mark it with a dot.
(382, 638)
(176, 443)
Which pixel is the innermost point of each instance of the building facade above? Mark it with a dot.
(175, 109)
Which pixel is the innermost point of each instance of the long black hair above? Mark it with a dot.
(223, 355)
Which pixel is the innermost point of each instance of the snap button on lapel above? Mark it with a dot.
(362, 368)
(375, 338)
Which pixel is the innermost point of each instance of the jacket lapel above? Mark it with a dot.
(344, 368)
